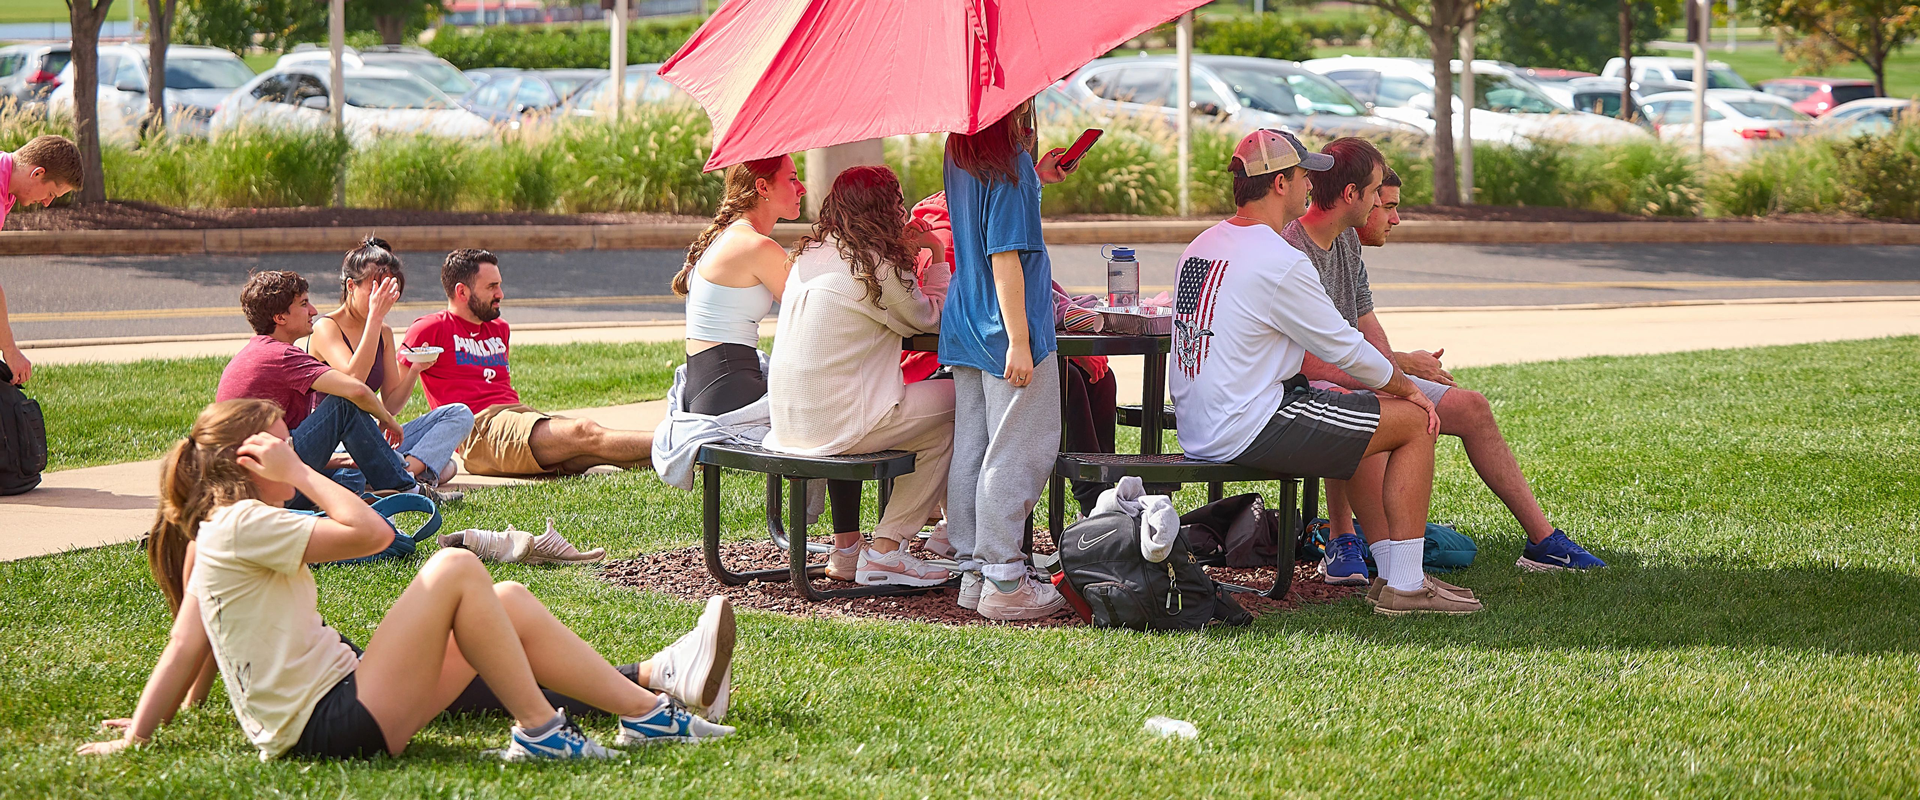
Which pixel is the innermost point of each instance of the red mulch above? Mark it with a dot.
(122, 215)
(683, 573)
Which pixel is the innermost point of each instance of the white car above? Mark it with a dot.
(1738, 120)
(1871, 116)
(198, 78)
(379, 101)
(1507, 108)
(1667, 69)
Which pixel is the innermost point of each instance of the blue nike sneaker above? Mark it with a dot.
(1345, 563)
(1557, 553)
(564, 743)
(668, 722)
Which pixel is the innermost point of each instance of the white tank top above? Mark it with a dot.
(725, 314)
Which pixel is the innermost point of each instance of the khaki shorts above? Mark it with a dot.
(501, 444)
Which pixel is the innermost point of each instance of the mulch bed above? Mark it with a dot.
(683, 573)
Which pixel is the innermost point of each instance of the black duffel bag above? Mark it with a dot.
(1101, 558)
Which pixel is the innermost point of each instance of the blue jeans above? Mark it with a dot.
(338, 422)
(431, 437)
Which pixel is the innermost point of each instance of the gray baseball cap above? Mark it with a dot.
(1269, 150)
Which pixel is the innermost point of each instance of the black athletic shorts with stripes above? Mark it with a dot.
(1315, 433)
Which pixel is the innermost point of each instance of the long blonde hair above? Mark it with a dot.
(740, 195)
(202, 473)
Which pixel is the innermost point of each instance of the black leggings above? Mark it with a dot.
(1089, 425)
(725, 378)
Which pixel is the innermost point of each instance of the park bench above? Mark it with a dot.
(795, 472)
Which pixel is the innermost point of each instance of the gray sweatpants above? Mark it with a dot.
(1004, 443)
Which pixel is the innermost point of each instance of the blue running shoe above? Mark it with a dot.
(564, 743)
(668, 722)
(1345, 563)
(1557, 553)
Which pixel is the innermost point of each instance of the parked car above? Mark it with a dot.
(643, 86)
(482, 75)
(507, 98)
(424, 65)
(1546, 75)
(1737, 120)
(309, 53)
(1241, 92)
(1816, 96)
(29, 72)
(1507, 108)
(198, 78)
(1602, 96)
(1870, 117)
(379, 101)
(1666, 69)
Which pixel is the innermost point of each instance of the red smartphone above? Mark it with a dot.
(1080, 148)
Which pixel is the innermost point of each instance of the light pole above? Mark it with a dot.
(336, 73)
(1183, 36)
(618, 69)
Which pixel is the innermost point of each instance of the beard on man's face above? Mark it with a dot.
(483, 310)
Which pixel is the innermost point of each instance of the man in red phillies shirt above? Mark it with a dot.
(509, 439)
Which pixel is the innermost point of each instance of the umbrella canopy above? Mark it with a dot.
(780, 76)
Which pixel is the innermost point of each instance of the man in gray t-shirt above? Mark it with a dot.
(1336, 218)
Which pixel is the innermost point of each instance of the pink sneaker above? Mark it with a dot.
(898, 569)
(1032, 600)
(844, 565)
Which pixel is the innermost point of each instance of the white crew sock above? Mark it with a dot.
(1382, 556)
(1405, 573)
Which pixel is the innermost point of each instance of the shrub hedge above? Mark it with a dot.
(584, 46)
(651, 162)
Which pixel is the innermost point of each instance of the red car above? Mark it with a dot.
(1816, 96)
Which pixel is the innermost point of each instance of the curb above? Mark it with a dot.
(254, 241)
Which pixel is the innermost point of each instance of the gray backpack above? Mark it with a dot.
(1100, 556)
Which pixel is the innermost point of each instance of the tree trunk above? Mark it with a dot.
(1446, 183)
(392, 28)
(85, 19)
(1626, 60)
(159, 36)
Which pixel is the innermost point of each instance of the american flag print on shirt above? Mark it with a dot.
(1193, 312)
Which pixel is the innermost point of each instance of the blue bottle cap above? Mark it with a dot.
(1120, 254)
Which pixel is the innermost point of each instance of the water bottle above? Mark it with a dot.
(1123, 277)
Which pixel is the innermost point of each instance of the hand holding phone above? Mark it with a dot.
(1071, 158)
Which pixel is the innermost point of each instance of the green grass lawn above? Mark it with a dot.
(108, 413)
(1754, 637)
(49, 11)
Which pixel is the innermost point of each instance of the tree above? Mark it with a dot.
(1441, 21)
(1867, 30)
(1570, 34)
(392, 18)
(85, 17)
(238, 25)
(160, 15)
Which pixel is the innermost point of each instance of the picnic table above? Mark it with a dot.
(1153, 384)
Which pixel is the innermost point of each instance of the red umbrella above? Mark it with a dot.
(780, 76)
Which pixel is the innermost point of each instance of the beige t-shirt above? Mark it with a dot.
(258, 602)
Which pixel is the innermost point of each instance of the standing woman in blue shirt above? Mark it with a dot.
(997, 334)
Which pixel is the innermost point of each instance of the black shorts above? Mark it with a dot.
(723, 378)
(340, 726)
(1316, 433)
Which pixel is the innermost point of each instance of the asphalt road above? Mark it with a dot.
(61, 297)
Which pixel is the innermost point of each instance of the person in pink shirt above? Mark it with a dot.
(41, 171)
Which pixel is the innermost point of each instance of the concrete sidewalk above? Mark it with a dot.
(109, 504)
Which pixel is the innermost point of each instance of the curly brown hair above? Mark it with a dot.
(866, 216)
(268, 294)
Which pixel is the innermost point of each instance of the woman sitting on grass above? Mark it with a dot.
(835, 385)
(234, 565)
(356, 340)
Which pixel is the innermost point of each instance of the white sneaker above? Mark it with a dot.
(693, 669)
(937, 542)
(552, 548)
(718, 711)
(501, 547)
(897, 569)
(970, 590)
(1030, 600)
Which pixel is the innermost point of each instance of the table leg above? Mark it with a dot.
(1153, 403)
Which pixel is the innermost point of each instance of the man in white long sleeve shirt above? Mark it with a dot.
(1249, 309)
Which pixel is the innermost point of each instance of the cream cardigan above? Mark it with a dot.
(836, 354)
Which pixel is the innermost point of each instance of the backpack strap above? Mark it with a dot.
(392, 505)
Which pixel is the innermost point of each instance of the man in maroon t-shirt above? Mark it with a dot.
(508, 438)
(324, 408)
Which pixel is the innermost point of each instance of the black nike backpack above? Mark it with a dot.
(23, 438)
(1101, 558)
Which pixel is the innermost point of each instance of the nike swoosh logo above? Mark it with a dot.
(1562, 559)
(1086, 543)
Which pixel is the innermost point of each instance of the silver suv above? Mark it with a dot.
(28, 72)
